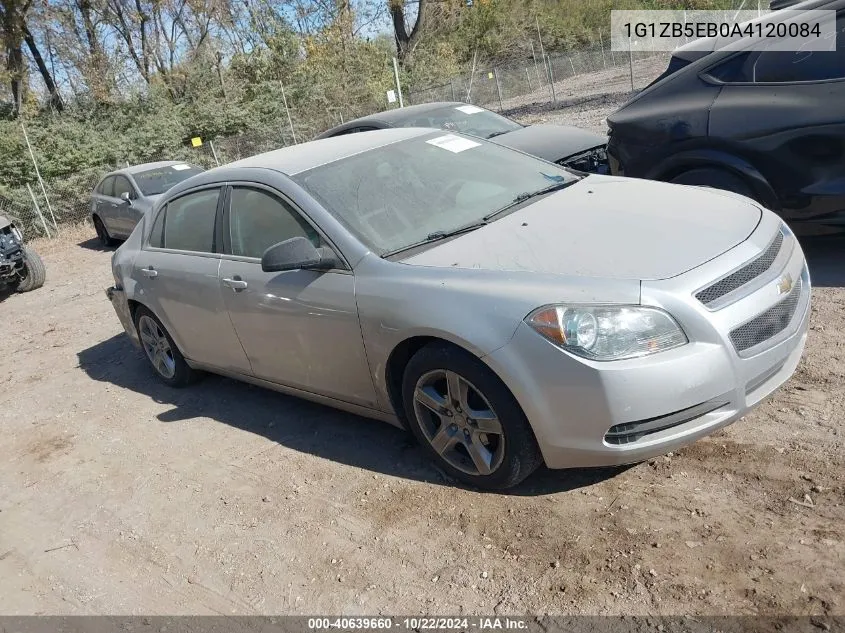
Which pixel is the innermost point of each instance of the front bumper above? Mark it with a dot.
(121, 306)
(588, 413)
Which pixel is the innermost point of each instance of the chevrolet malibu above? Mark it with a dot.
(505, 310)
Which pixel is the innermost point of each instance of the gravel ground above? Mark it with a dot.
(119, 495)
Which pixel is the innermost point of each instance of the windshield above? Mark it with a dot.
(467, 119)
(155, 181)
(400, 194)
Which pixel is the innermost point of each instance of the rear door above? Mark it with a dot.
(299, 328)
(784, 112)
(177, 270)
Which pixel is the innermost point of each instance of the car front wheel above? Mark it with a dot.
(34, 272)
(467, 419)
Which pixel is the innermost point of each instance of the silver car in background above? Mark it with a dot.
(122, 197)
(507, 311)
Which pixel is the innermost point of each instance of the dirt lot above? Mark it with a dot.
(121, 496)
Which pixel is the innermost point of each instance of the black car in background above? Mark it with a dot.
(767, 124)
(562, 144)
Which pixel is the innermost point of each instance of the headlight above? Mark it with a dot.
(17, 233)
(608, 332)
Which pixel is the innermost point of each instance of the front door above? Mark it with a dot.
(299, 328)
(123, 207)
(178, 273)
(796, 139)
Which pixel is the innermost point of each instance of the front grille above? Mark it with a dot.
(768, 324)
(630, 432)
(744, 275)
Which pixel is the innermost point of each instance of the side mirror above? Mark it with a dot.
(126, 197)
(294, 254)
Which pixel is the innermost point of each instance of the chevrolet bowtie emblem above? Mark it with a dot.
(785, 284)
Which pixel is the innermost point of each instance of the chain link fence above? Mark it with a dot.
(557, 77)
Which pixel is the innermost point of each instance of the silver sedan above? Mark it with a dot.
(505, 310)
(122, 197)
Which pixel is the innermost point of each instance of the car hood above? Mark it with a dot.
(550, 142)
(609, 227)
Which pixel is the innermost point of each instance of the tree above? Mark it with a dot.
(49, 82)
(13, 24)
(13, 21)
(407, 40)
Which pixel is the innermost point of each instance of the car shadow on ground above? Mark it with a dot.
(94, 244)
(826, 260)
(298, 424)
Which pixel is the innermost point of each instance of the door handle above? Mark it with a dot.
(235, 284)
(149, 272)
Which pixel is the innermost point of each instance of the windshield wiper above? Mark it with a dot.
(527, 196)
(436, 236)
(494, 134)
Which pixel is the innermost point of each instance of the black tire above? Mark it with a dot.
(35, 274)
(103, 233)
(518, 456)
(182, 374)
(716, 178)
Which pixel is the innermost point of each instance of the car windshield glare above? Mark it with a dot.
(155, 181)
(398, 195)
(466, 119)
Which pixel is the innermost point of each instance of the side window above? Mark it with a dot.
(107, 186)
(189, 222)
(157, 232)
(772, 66)
(121, 185)
(257, 220)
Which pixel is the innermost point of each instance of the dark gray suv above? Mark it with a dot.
(767, 124)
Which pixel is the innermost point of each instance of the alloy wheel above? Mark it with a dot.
(459, 422)
(157, 346)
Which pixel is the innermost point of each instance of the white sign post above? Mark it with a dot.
(391, 96)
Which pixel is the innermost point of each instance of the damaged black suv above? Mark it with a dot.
(767, 124)
(20, 267)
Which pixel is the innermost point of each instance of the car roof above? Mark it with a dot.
(135, 169)
(299, 158)
(705, 46)
(395, 115)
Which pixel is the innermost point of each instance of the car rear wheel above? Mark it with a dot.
(103, 232)
(716, 178)
(467, 419)
(161, 351)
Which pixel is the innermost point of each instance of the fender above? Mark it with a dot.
(699, 158)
